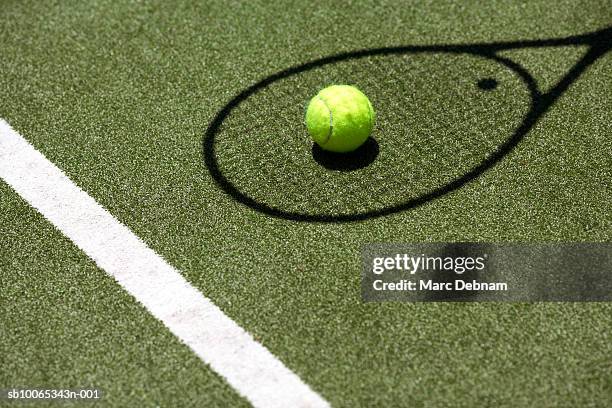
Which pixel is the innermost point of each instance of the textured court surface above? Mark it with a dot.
(119, 95)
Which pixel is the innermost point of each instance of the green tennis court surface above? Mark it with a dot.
(184, 120)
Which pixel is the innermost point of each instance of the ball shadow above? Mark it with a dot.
(358, 159)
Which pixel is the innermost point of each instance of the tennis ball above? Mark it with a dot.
(340, 118)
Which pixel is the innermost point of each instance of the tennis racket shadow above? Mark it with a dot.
(598, 43)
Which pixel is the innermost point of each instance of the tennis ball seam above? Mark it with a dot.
(331, 120)
(371, 112)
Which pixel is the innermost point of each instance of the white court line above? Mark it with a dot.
(246, 365)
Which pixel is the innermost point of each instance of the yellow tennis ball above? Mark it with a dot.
(340, 118)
